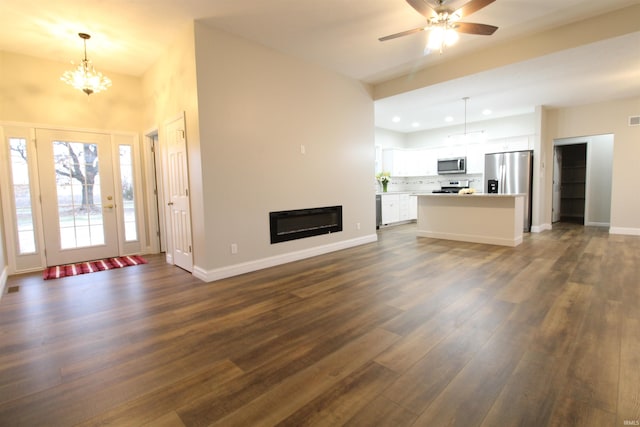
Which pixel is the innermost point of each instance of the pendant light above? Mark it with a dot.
(465, 99)
(85, 77)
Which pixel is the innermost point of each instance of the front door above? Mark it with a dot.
(78, 206)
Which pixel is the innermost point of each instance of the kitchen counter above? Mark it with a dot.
(480, 218)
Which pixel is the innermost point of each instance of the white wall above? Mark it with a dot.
(390, 139)
(493, 129)
(257, 108)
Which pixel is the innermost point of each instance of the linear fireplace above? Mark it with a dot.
(301, 223)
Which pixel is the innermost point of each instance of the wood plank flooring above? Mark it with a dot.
(402, 332)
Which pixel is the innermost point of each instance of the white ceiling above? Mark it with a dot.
(128, 36)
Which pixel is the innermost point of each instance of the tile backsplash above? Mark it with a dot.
(426, 184)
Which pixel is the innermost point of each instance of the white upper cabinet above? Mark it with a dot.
(378, 167)
(388, 159)
(424, 161)
(452, 151)
(429, 160)
(413, 162)
(511, 144)
(475, 158)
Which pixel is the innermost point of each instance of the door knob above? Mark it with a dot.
(108, 206)
(170, 204)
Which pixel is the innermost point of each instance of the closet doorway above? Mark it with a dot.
(582, 177)
(570, 182)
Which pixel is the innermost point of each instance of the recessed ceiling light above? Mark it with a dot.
(448, 119)
(486, 111)
(395, 119)
(415, 124)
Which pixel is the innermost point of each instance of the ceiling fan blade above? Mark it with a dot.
(404, 33)
(472, 6)
(478, 29)
(422, 8)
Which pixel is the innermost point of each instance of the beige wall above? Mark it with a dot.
(597, 119)
(31, 92)
(257, 108)
(170, 89)
(3, 255)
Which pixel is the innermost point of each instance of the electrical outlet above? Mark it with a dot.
(358, 225)
(234, 248)
(303, 149)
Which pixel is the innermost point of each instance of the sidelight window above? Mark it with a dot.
(22, 195)
(128, 199)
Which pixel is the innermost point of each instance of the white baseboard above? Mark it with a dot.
(247, 267)
(596, 224)
(540, 228)
(625, 230)
(3, 281)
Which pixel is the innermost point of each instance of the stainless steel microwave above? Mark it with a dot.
(452, 165)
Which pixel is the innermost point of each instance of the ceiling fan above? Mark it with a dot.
(443, 22)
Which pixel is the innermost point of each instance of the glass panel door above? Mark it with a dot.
(77, 196)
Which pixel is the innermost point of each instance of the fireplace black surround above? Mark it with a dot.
(301, 223)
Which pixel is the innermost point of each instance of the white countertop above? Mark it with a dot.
(413, 193)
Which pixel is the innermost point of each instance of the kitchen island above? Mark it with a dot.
(495, 219)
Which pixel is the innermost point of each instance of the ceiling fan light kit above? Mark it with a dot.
(443, 22)
(441, 37)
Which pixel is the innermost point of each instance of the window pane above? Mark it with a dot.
(78, 192)
(22, 195)
(129, 208)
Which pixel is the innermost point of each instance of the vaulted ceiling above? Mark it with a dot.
(128, 36)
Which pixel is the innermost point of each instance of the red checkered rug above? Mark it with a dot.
(91, 266)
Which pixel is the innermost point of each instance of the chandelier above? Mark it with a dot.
(85, 77)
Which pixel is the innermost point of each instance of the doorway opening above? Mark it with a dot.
(582, 178)
(572, 178)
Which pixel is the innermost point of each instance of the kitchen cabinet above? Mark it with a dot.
(398, 207)
(403, 207)
(413, 207)
(378, 166)
(475, 158)
(395, 161)
(452, 151)
(390, 208)
(412, 162)
(388, 158)
(429, 161)
(511, 144)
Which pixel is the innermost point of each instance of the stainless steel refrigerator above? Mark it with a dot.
(510, 173)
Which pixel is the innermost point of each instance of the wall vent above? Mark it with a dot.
(634, 120)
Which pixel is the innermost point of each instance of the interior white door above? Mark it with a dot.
(557, 183)
(78, 208)
(178, 197)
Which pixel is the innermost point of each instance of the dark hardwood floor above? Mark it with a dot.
(403, 332)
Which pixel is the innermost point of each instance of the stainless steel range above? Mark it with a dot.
(452, 187)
